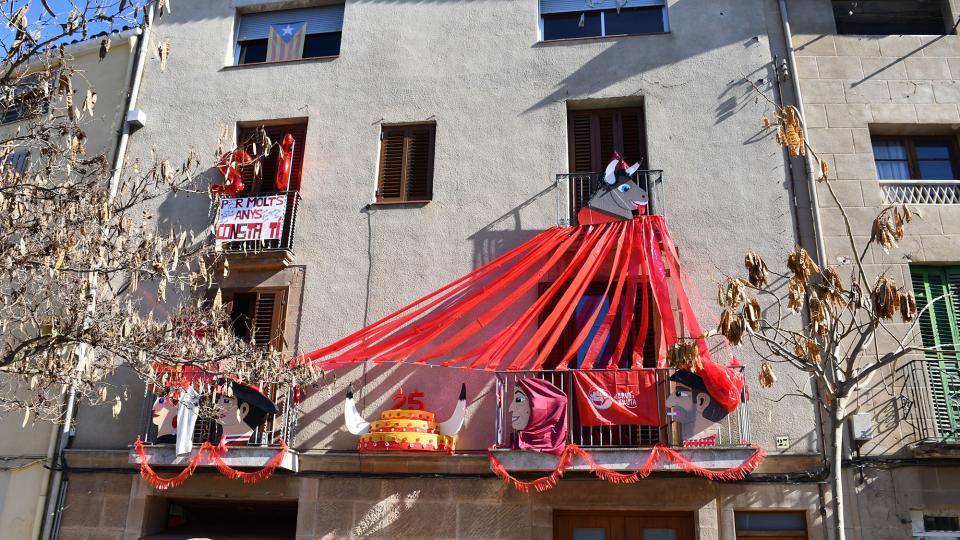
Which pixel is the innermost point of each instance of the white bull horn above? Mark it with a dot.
(355, 423)
(453, 424)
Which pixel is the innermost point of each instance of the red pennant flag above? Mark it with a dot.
(622, 397)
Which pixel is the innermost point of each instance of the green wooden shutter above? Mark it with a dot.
(939, 328)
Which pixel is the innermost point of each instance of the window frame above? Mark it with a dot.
(408, 130)
(569, 334)
(945, 22)
(254, 185)
(278, 320)
(238, 19)
(662, 5)
(909, 143)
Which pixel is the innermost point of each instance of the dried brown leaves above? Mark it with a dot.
(684, 354)
(767, 377)
(790, 131)
(756, 269)
(888, 226)
(890, 300)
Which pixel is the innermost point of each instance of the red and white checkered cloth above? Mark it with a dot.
(700, 443)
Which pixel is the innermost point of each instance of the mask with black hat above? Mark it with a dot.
(241, 414)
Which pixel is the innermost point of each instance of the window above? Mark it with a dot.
(292, 34)
(203, 518)
(267, 181)
(606, 525)
(565, 19)
(258, 315)
(406, 163)
(592, 136)
(782, 525)
(591, 300)
(26, 99)
(917, 158)
(891, 17)
(940, 327)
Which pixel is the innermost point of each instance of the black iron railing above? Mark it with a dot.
(734, 429)
(929, 401)
(270, 432)
(288, 228)
(581, 186)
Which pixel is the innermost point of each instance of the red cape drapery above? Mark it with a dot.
(512, 312)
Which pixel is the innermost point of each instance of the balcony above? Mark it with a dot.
(263, 445)
(929, 404)
(258, 229)
(580, 186)
(920, 191)
(620, 447)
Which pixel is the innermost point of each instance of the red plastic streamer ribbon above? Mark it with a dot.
(215, 454)
(657, 453)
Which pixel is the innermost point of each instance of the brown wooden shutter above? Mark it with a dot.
(258, 315)
(406, 164)
(391, 166)
(419, 178)
(581, 155)
(650, 339)
(595, 134)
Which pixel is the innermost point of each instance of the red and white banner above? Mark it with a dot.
(622, 397)
(251, 218)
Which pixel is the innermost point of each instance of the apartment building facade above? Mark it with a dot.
(877, 90)
(429, 138)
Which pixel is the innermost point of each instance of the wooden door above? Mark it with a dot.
(601, 525)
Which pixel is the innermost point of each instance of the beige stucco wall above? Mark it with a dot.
(500, 100)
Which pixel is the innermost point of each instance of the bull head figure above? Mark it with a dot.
(617, 197)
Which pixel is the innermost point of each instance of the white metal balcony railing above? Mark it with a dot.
(920, 191)
(734, 428)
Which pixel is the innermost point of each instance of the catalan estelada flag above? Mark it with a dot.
(286, 41)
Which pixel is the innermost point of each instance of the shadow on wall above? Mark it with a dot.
(506, 232)
(322, 423)
(732, 21)
(189, 211)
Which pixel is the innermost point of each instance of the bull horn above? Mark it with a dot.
(453, 424)
(356, 425)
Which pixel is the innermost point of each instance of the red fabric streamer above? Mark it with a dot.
(161, 483)
(215, 454)
(514, 312)
(657, 453)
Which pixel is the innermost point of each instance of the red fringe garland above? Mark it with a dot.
(247, 477)
(215, 454)
(656, 454)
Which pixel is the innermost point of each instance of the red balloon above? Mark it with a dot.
(285, 166)
(229, 166)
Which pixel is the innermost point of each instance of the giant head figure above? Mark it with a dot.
(692, 406)
(618, 196)
(241, 414)
(165, 418)
(538, 415)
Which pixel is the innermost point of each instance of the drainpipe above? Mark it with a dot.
(817, 226)
(58, 484)
(141, 59)
(811, 166)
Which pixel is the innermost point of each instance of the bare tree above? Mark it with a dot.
(80, 250)
(836, 345)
